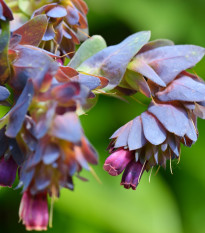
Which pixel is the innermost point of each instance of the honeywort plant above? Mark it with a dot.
(46, 83)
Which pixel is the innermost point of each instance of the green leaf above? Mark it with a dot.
(112, 61)
(89, 48)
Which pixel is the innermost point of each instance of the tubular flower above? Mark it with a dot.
(8, 169)
(34, 211)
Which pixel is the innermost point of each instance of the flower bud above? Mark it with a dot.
(118, 161)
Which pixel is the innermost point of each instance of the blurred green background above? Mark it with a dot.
(170, 203)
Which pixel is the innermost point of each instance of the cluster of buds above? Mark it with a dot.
(67, 25)
(178, 98)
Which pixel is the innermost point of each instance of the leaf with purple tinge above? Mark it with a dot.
(17, 114)
(174, 144)
(65, 92)
(42, 179)
(168, 61)
(122, 139)
(16, 152)
(33, 64)
(81, 6)
(80, 158)
(143, 68)
(49, 34)
(153, 130)
(32, 31)
(6, 13)
(173, 118)
(199, 110)
(89, 81)
(183, 89)
(88, 48)
(45, 121)
(112, 61)
(156, 44)
(136, 138)
(14, 41)
(72, 17)
(192, 132)
(36, 157)
(118, 132)
(57, 12)
(67, 127)
(51, 153)
(4, 93)
(89, 152)
(137, 82)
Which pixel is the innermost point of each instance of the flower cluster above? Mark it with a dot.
(42, 142)
(41, 135)
(67, 25)
(158, 71)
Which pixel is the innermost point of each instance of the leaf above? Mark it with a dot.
(174, 144)
(4, 41)
(33, 31)
(87, 106)
(173, 118)
(89, 48)
(153, 130)
(199, 110)
(89, 81)
(112, 61)
(143, 68)
(32, 63)
(168, 61)
(192, 131)
(183, 89)
(6, 13)
(137, 82)
(122, 139)
(89, 152)
(57, 12)
(4, 93)
(72, 17)
(18, 112)
(136, 138)
(67, 127)
(51, 153)
(63, 93)
(155, 44)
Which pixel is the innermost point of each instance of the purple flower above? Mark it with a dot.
(33, 211)
(132, 175)
(8, 170)
(117, 162)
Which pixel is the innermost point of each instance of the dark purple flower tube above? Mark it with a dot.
(34, 211)
(118, 161)
(8, 170)
(132, 174)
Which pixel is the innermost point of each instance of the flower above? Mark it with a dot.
(33, 211)
(8, 169)
(132, 175)
(117, 161)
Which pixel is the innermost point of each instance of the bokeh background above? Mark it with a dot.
(170, 203)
